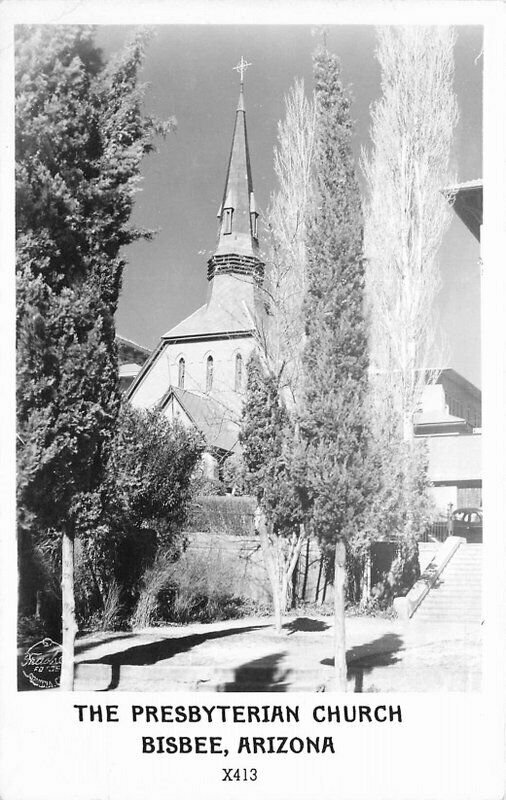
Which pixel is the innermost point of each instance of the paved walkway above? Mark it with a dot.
(247, 654)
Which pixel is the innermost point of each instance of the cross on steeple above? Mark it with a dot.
(237, 251)
(241, 68)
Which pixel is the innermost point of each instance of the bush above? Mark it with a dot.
(234, 474)
(372, 607)
(196, 588)
(154, 580)
(32, 629)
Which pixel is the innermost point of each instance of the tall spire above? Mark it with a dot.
(237, 250)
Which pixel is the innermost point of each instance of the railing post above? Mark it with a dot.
(450, 519)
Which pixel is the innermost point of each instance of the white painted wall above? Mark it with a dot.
(208, 463)
(154, 384)
(164, 371)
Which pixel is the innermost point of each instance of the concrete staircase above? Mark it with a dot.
(456, 595)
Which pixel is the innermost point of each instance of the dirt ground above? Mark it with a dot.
(248, 655)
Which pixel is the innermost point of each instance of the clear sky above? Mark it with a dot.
(190, 72)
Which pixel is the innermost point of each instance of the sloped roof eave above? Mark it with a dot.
(208, 416)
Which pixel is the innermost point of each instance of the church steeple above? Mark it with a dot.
(237, 250)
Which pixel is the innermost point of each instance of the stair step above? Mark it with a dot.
(444, 617)
(458, 600)
(452, 588)
(450, 610)
(473, 591)
(453, 609)
(456, 596)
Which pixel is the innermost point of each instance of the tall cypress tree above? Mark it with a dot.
(335, 357)
(80, 137)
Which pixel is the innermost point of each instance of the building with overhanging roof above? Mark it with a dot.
(450, 418)
(449, 421)
(131, 357)
(467, 201)
(197, 372)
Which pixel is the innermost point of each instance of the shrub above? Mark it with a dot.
(234, 476)
(31, 629)
(155, 578)
(372, 607)
(198, 587)
(112, 614)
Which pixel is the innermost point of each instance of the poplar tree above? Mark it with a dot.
(408, 164)
(80, 138)
(335, 359)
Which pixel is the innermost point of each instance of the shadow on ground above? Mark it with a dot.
(361, 660)
(305, 624)
(160, 650)
(261, 675)
(82, 647)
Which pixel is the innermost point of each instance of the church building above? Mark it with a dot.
(197, 373)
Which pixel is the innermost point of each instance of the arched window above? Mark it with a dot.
(180, 373)
(209, 373)
(238, 372)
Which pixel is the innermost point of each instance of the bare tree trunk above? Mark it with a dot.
(278, 611)
(365, 581)
(319, 594)
(69, 626)
(38, 604)
(270, 565)
(340, 670)
(101, 594)
(280, 564)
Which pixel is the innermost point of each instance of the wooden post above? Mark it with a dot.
(367, 577)
(319, 597)
(340, 669)
(69, 626)
(306, 571)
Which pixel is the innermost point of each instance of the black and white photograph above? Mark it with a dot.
(250, 290)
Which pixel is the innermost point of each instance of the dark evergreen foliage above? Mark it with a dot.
(145, 499)
(270, 451)
(80, 137)
(335, 356)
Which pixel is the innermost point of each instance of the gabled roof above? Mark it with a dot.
(217, 423)
(214, 318)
